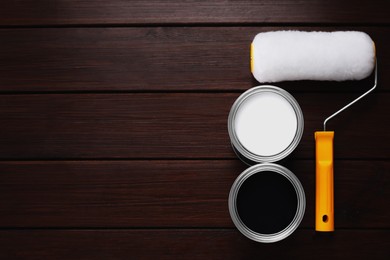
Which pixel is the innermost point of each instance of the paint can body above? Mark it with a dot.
(267, 202)
(265, 124)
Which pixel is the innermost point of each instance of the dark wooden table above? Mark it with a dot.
(114, 142)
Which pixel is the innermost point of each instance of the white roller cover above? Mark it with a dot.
(297, 55)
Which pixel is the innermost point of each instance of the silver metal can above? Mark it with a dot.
(267, 202)
(265, 124)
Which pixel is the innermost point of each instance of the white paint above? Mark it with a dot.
(265, 123)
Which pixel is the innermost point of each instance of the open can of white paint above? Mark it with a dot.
(265, 124)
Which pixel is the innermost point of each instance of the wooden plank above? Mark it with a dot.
(190, 244)
(61, 12)
(172, 125)
(170, 193)
(150, 59)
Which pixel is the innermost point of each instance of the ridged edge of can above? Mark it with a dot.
(267, 238)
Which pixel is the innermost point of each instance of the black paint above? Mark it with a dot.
(267, 202)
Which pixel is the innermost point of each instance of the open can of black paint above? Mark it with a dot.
(267, 202)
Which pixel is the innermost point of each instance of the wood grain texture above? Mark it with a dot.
(151, 59)
(194, 244)
(59, 12)
(170, 193)
(90, 126)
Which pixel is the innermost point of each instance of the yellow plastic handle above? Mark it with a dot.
(324, 181)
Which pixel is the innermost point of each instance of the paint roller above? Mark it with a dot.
(297, 55)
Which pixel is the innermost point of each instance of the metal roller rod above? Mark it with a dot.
(357, 99)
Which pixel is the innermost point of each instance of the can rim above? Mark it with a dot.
(267, 238)
(232, 118)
